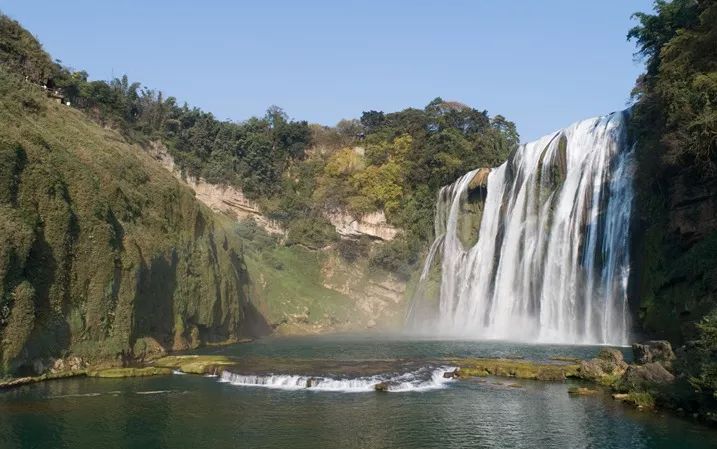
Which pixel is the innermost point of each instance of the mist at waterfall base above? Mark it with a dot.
(549, 261)
(188, 411)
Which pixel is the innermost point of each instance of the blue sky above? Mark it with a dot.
(542, 64)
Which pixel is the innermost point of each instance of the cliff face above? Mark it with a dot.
(103, 254)
(371, 225)
(676, 242)
(303, 291)
(226, 200)
(232, 202)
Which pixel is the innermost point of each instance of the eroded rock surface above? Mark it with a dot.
(653, 351)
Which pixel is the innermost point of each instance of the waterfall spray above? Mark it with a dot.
(551, 262)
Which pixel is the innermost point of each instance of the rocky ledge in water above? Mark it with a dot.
(186, 364)
(646, 384)
(521, 369)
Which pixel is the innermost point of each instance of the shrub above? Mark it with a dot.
(353, 249)
(396, 256)
(312, 232)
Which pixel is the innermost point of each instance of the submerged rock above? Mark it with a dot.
(581, 391)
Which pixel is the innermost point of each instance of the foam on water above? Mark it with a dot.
(423, 379)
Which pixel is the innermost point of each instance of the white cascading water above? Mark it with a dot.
(551, 262)
(423, 379)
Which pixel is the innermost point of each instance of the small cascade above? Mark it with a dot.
(423, 379)
(538, 248)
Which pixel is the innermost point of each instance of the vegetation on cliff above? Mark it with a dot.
(103, 254)
(675, 124)
(393, 162)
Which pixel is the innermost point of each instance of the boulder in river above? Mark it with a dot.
(653, 351)
(606, 367)
(640, 377)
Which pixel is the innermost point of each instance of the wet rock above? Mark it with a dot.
(641, 377)
(611, 357)
(639, 399)
(653, 351)
(606, 368)
(479, 180)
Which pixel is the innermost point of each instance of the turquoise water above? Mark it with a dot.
(185, 411)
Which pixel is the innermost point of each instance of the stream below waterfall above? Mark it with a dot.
(269, 407)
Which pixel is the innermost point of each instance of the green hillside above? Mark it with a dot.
(103, 253)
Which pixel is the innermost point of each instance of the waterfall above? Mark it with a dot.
(422, 379)
(538, 248)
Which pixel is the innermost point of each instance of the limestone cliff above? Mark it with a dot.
(224, 199)
(303, 290)
(372, 225)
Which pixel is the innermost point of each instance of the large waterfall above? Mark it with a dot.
(538, 248)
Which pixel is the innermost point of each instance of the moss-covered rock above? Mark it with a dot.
(581, 391)
(639, 399)
(471, 212)
(607, 368)
(645, 377)
(20, 381)
(130, 372)
(522, 369)
(195, 364)
(653, 351)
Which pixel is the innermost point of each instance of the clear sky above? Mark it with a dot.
(541, 63)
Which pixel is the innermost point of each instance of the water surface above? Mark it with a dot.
(197, 412)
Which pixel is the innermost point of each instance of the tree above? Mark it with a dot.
(372, 120)
(679, 89)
